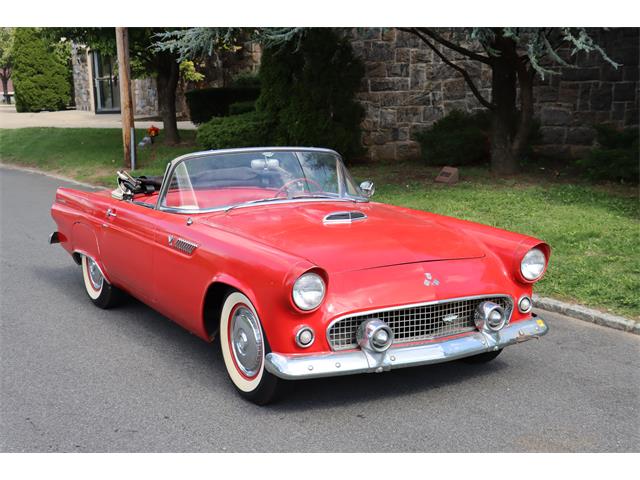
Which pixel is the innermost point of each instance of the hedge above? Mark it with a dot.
(206, 103)
(245, 130)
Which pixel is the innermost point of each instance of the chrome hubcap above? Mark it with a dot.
(246, 341)
(95, 275)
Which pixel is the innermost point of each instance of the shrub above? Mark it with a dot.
(616, 156)
(242, 107)
(245, 130)
(40, 76)
(459, 138)
(206, 103)
(308, 87)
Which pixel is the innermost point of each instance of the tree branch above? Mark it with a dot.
(457, 48)
(464, 73)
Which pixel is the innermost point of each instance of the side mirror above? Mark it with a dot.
(368, 188)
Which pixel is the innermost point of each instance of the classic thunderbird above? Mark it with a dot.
(279, 254)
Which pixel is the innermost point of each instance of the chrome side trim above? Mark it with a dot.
(412, 305)
(296, 366)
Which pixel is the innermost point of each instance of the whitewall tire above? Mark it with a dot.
(101, 292)
(244, 347)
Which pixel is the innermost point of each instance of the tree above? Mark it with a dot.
(39, 75)
(6, 57)
(308, 88)
(145, 61)
(515, 56)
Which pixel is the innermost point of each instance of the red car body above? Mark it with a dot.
(396, 257)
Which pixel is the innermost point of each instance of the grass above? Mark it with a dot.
(594, 230)
(86, 154)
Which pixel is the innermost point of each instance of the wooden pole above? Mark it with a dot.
(126, 103)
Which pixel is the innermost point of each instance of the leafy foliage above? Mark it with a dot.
(459, 138)
(242, 107)
(245, 130)
(617, 156)
(6, 53)
(40, 76)
(308, 89)
(188, 72)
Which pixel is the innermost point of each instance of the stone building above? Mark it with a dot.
(406, 88)
(96, 84)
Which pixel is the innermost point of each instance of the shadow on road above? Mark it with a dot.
(146, 328)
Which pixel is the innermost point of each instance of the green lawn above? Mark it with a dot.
(594, 230)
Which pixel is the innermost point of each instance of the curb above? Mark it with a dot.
(579, 312)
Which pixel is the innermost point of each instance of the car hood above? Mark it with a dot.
(387, 236)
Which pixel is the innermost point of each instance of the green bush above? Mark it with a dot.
(245, 130)
(308, 88)
(242, 107)
(616, 157)
(40, 75)
(207, 103)
(459, 138)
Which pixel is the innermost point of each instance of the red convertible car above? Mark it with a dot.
(279, 254)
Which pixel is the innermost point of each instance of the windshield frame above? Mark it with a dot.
(173, 164)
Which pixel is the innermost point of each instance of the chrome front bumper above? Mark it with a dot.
(295, 367)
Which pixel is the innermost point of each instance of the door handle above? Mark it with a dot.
(111, 213)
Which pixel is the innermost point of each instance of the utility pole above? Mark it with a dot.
(126, 103)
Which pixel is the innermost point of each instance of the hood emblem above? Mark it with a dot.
(429, 280)
(450, 318)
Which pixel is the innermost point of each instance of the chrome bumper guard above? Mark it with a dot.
(296, 367)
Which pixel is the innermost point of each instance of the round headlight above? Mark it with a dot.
(533, 264)
(308, 291)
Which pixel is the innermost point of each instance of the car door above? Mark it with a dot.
(126, 246)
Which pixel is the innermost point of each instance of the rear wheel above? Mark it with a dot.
(101, 292)
(483, 357)
(244, 347)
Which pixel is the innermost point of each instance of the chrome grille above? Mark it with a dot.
(417, 322)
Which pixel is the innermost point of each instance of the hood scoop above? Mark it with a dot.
(344, 217)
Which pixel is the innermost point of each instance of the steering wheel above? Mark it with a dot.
(284, 187)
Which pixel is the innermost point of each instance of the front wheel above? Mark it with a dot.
(101, 292)
(244, 347)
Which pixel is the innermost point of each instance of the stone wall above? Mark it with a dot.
(406, 88)
(81, 78)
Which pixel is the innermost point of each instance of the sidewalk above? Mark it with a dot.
(9, 118)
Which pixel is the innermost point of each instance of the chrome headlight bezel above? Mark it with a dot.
(308, 291)
(533, 264)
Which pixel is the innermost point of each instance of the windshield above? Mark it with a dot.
(227, 180)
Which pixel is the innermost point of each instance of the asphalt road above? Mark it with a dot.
(76, 378)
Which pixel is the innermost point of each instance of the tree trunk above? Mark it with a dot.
(167, 83)
(5, 86)
(503, 93)
(525, 82)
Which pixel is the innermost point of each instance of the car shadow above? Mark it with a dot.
(179, 351)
